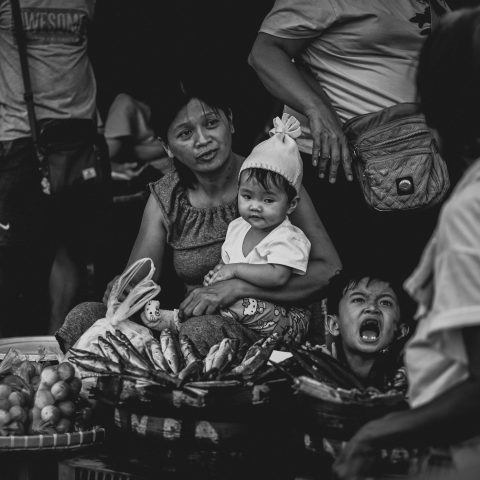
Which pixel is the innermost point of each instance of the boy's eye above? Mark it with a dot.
(269, 200)
(387, 303)
(358, 300)
(246, 196)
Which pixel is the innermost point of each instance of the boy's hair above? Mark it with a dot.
(346, 280)
(267, 178)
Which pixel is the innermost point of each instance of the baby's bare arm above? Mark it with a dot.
(268, 275)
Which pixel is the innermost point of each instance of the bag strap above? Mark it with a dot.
(21, 39)
(22, 50)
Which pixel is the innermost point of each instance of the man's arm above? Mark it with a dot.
(450, 418)
(271, 57)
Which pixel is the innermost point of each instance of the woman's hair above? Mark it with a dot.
(448, 81)
(168, 104)
(267, 178)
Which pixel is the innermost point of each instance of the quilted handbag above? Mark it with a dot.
(396, 159)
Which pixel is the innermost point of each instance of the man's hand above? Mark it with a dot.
(329, 145)
(208, 300)
(126, 171)
(220, 273)
(357, 460)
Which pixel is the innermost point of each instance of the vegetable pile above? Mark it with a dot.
(39, 398)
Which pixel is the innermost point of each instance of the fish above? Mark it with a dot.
(79, 353)
(188, 349)
(108, 350)
(191, 372)
(169, 350)
(225, 354)
(126, 353)
(96, 363)
(210, 357)
(153, 350)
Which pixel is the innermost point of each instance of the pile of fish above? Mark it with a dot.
(171, 361)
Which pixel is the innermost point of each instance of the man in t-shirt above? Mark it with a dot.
(63, 87)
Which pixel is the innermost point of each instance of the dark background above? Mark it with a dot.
(141, 45)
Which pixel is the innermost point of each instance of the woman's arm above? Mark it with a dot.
(323, 264)
(271, 57)
(150, 242)
(450, 418)
(152, 237)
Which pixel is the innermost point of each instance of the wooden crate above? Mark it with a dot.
(95, 468)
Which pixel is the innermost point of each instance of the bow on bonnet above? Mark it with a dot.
(287, 125)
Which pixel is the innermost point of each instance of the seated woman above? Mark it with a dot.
(443, 356)
(189, 211)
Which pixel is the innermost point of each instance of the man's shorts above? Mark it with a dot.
(23, 207)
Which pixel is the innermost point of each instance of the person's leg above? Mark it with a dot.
(266, 318)
(208, 330)
(65, 283)
(24, 233)
(78, 321)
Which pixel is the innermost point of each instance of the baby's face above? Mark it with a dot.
(368, 316)
(262, 209)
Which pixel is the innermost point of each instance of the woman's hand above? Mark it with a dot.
(208, 300)
(329, 144)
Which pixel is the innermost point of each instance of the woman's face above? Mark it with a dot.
(200, 137)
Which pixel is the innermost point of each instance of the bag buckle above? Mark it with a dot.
(405, 186)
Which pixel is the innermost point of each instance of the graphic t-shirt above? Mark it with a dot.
(363, 53)
(62, 78)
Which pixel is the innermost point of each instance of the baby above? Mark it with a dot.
(262, 247)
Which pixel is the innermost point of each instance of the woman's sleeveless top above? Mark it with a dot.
(195, 234)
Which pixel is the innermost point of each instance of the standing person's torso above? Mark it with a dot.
(364, 53)
(62, 78)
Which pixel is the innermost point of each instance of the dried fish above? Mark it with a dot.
(225, 354)
(169, 350)
(126, 353)
(192, 372)
(153, 350)
(189, 352)
(96, 363)
(210, 357)
(108, 350)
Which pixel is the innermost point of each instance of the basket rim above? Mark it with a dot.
(55, 441)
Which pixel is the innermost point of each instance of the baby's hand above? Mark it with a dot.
(207, 280)
(221, 273)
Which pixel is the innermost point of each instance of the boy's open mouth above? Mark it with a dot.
(370, 330)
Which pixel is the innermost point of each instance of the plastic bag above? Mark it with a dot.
(118, 312)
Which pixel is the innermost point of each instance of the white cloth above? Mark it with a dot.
(63, 82)
(363, 53)
(284, 245)
(446, 284)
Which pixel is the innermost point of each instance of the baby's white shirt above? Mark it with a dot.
(285, 245)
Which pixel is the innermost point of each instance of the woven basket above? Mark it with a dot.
(56, 441)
